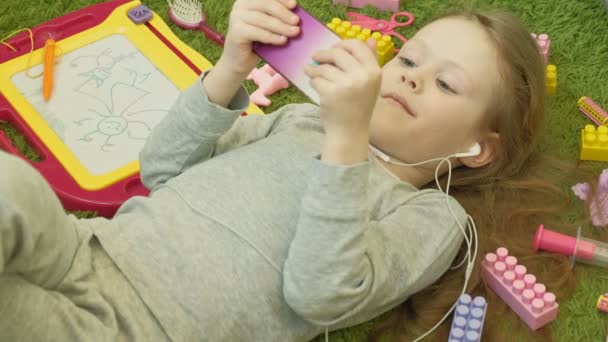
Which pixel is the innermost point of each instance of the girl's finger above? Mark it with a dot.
(361, 51)
(278, 10)
(269, 23)
(326, 71)
(339, 57)
(289, 3)
(257, 34)
(321, 85)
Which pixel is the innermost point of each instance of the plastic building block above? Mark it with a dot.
(602, 302)
(469, 316)
(384, 5)
(140, 14)
(385, 48)
(544, 45)
(592, 110)
(519, 289)
(268, 82)
(551, 79)
(594, 143)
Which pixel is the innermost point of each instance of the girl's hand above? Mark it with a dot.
(348, 81)
(265, 21)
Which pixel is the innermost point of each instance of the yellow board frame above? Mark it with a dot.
(159, 54)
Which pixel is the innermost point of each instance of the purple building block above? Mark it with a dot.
(469, 316)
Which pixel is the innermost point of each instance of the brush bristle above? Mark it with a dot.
(188, 11)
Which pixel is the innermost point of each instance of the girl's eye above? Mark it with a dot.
(407, 62)
(444, 86)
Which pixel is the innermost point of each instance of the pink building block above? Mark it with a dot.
(268, 82)
(384, 5)
(544, 44)
(519, 289)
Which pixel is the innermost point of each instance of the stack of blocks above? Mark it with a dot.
(544, 44)
(384, 5)
(551, 79)
(519, 289)
(594, 143)
(469, 316)
(385, 48)
(544, 47)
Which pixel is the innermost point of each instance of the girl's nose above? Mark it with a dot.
(411, 82)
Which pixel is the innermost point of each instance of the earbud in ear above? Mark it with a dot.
(475, 150)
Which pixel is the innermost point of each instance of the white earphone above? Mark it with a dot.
(475, 150)
(471, 241)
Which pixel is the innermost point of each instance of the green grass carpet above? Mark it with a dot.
(579, 33)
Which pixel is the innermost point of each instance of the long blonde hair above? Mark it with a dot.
(507, 198)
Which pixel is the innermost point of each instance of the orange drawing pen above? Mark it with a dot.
(49, 64)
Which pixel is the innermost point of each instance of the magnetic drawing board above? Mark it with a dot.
(108, 98)
(115, 81)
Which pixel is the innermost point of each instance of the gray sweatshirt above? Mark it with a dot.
(248, 236)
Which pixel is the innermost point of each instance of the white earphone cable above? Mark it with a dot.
(471, 228)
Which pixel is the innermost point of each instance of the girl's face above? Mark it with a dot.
(436, 92)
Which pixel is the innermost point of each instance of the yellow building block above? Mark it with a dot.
(551, 79)
(594, 143)
(385, 48)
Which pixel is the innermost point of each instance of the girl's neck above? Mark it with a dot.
(418, 176)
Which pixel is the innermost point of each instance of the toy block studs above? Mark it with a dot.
(384, 5)
(551, 79)
(469, 317)
(385, 48)
(140, 14)
(544, 45)
(594, 143)
(519, 289)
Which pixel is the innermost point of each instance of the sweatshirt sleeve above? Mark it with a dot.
(196, 129)
(342, 267)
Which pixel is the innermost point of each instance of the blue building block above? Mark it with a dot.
(469, 316)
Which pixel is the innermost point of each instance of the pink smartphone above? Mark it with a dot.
(289, 59)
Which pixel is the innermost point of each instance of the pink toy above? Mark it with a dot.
(544, 43)
(384, 5)
(598, 205)
(577, 248)
(519, 289)
(268, 81)
(382, 26)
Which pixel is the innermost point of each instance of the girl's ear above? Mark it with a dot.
(490, 148)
